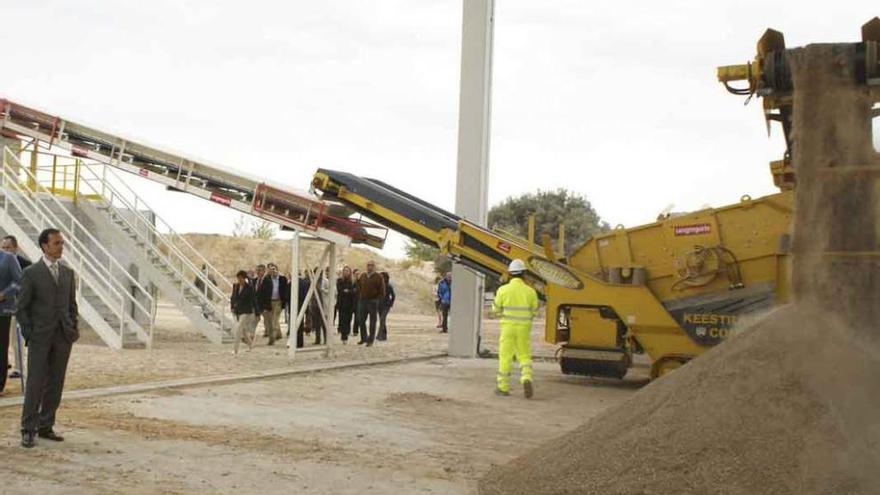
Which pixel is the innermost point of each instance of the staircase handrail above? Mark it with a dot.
(85, 256)
(109, 193)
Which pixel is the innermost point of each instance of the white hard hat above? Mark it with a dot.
(516, 266)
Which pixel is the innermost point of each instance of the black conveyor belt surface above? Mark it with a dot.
(395, 200)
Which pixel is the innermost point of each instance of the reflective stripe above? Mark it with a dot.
(517, 318)
(522, 308)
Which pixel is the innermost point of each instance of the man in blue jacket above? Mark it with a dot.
(444, 292)
(10, 279)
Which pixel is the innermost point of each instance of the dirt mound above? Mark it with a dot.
(230, 254)
(791, 405)
(759, 414)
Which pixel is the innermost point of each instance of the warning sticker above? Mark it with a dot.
(220, 199)
(503, 246)
(694, 229)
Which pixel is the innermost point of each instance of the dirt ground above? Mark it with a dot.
(424, 426)
(179, 352)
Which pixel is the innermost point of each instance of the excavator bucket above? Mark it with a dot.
(771, 41)
(871, 30)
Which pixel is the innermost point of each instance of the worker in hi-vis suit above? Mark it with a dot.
(517, 304)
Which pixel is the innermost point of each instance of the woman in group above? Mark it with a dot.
(243, 305)
(345, 302)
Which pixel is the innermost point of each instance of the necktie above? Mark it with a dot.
(53, 268)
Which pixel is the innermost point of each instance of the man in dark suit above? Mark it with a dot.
(273, 295)
(47, 314)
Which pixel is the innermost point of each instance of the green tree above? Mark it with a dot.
(550, 208)
(418, 251)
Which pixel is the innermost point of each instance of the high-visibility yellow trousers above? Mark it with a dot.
(514, 341)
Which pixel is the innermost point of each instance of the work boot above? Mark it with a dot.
(27, 439)
(49, 434)
(527, 389)
(501, 393)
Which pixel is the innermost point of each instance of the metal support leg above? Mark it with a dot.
(292, 326)
(330, 303)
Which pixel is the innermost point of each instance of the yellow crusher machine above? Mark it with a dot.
(670, 289)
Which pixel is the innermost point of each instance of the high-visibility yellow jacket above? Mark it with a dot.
(516, 303)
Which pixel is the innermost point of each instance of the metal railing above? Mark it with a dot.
(107, 188)
(106, 278)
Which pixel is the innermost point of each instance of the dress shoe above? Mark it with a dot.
(50, 434)
(361, 342)
(527, 389)
(27, 439)
(370, 344)
(15, 374)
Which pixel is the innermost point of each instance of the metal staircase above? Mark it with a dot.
(166, 259)
(111, 301)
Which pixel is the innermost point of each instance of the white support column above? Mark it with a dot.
(472, 179)
(330, 303)
(294, 295)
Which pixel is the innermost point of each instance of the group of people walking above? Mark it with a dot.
(361, 296)
(265, 295)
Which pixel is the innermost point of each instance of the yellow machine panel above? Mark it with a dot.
(600, 332)
(710, 250)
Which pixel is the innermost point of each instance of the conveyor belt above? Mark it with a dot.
(424, 213)
(280, 204)
(465, 242)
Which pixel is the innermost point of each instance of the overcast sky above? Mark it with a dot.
(616, 100)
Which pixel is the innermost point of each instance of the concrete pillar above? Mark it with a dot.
(472, 179)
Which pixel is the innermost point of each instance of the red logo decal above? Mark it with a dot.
(144, 172)
(695, 229)
(79, 152)
(503, 246)
(220, 199)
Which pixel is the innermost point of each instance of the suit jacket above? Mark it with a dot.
(45, 305)
(242, 299)
(23, 262)
(264, 292)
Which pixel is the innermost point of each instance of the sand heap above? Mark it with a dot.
(792, 405)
